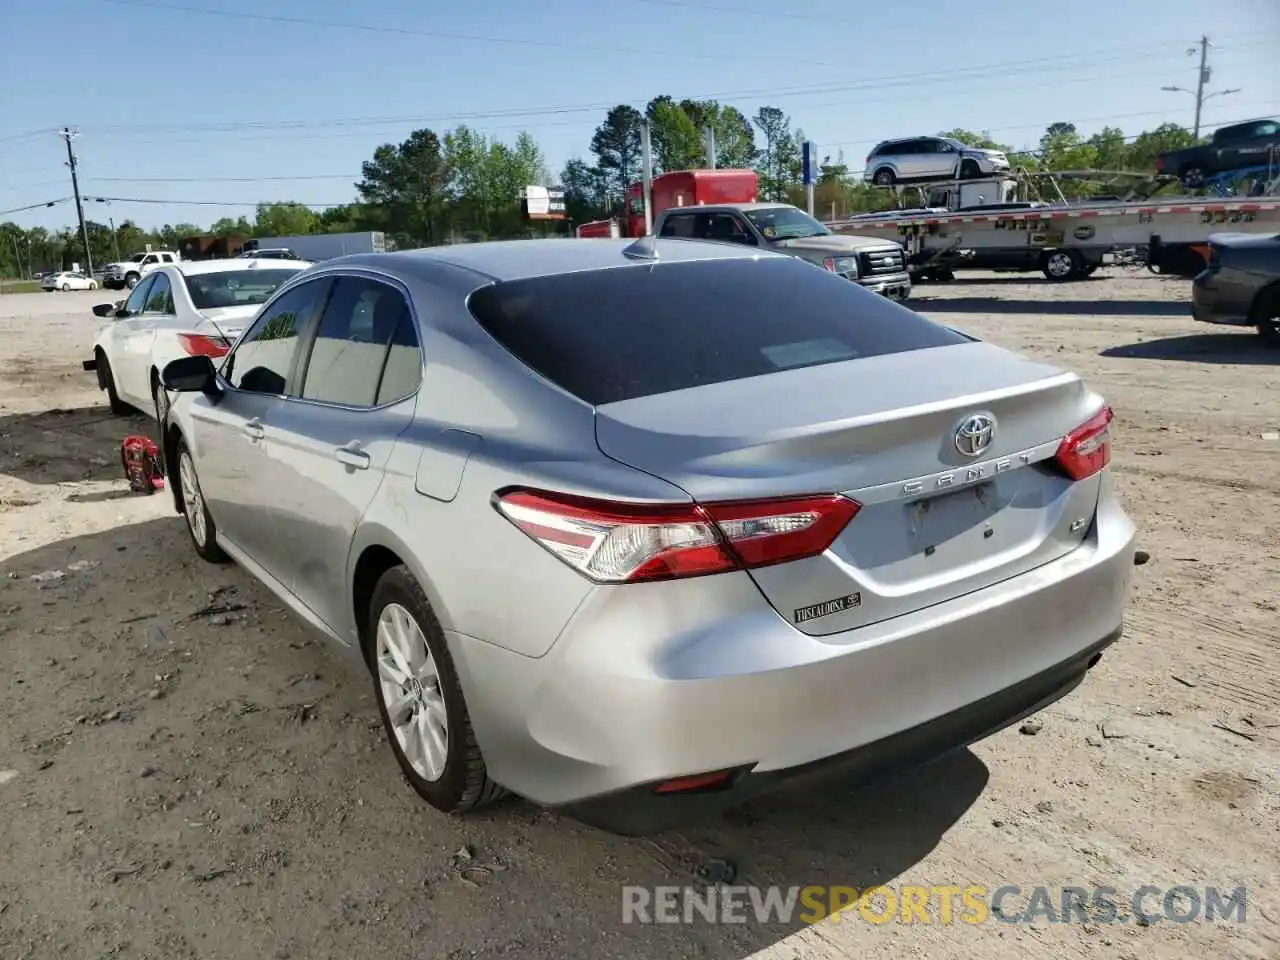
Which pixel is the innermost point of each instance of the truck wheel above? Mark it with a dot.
(969, 170)
(1060, 265)
(131, 280)
(884, 177)
(1192, 176)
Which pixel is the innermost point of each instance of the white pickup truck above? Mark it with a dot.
(127, 273)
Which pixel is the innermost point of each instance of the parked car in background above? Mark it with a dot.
(638, 529)
(67, 280)
(1237, 147)
(270, 253)
(930, 158)
(177, 310)
(1241, 284)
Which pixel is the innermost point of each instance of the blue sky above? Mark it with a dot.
(179, 105)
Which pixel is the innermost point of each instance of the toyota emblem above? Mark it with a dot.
(975, 433)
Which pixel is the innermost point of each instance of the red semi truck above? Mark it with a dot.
(680, 188)
(722, 205)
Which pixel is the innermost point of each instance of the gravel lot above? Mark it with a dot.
(185, 772)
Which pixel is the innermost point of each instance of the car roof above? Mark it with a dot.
(745, 207)
(195, 267)
(521, 259)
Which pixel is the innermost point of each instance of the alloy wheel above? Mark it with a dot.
(409, 683)
(192, 500)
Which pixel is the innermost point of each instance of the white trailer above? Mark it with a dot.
(1066, 240)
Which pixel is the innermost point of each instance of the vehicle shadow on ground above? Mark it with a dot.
(1030, 278)
(264, 765)
(1048, 307)
(1244, 347)
(67, 446)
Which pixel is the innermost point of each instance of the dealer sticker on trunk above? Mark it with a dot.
(828, 607)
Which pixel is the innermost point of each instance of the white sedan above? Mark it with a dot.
(68, 280)
(178, 310)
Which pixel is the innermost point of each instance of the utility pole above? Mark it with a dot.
(68, 135)
(709, 138)
(1204, 75)
(1206, 72)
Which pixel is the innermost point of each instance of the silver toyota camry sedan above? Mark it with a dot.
(639, 531)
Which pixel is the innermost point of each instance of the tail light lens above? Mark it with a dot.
(613, 542)
(197, 345)
(1087, 449)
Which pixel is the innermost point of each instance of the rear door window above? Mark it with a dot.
(612, 335)
(350, 350)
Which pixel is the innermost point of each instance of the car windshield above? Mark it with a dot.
(785, 223)
(233, 288)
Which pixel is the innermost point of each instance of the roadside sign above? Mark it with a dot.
(811, 162)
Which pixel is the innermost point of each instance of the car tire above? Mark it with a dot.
(93, 285)
(1266, 315)
(200, 526)
(420, 699)
(131, 280)
(118, 406)
(1061, 265)
(66, 288)
(884, 177)
(969, 170)
(160, 399)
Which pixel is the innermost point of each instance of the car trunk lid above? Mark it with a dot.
(934, 523)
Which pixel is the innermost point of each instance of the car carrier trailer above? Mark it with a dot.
(1066, 240)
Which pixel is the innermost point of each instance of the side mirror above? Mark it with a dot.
(105, 310)
(190, 375)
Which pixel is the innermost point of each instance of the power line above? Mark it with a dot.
(994, 70)
(34, 206)
(768, 14)
(415, 32)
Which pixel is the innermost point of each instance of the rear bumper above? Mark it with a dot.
(650, 682)
(641, 810)
(1216, 301)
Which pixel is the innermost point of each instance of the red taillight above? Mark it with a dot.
(697, 782)
(1087, 449)
(198, 345)
(612, 542)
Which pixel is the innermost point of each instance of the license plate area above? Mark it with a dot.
(967, 514)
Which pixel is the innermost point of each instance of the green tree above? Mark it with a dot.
(344, 219)
(676, 140)
(779, 157)
(1149, 144)
(170, 236)
(586, 192)
(284, 220)
(406, 184)
(131, 239)
(232, 227)
(616, 145)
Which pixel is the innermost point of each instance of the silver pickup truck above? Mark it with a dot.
(878, 265)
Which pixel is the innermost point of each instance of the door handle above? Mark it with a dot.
(352, 457)
(253, 428)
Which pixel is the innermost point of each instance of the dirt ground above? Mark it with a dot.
(185, 772)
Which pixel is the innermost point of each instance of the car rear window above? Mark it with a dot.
(635, 331)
